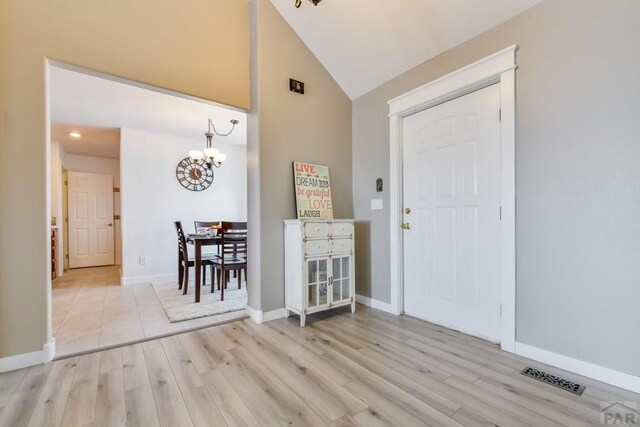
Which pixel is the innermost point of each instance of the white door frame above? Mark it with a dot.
(497, 68)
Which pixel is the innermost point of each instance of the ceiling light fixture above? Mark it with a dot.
(212, 156)
(299, 2)
(75, 134)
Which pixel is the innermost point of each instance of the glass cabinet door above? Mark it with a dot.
(341, 273)
(317, 282)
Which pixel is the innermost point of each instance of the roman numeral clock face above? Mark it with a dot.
(194, 176)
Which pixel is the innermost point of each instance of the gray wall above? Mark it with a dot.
(314, 127)
(577, 175)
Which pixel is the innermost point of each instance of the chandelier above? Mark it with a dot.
(211, 155)
(315, 2)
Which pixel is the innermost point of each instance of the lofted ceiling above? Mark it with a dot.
(98, 107)
(364, 43)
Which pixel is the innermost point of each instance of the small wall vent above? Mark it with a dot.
(562, 383)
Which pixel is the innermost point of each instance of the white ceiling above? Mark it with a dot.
(364, 43)
(99, 107)
(95, 141)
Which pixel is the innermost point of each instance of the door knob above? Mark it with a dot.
(406, 226)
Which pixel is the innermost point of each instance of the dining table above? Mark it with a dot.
(198, 241)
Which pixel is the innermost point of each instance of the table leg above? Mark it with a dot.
(198, 262)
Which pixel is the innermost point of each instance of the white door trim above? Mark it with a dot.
(497, 68)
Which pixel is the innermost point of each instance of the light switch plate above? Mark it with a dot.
(376, 204)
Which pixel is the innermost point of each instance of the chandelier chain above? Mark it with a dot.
(215, 131)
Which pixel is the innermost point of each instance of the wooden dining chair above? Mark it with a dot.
(184, 262)
(233, 256)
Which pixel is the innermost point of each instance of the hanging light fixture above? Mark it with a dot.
(299, 2)
(211, 155)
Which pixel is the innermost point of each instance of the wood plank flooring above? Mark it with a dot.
(342, 369)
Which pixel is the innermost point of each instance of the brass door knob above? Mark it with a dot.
(406, 225)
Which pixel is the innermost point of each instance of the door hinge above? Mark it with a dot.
(67, 256)
(500, 310)
(500, 114)
(116, 189)
(66, 183)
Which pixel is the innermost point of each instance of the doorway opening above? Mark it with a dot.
(497, 69)
(451, 197)
(116, 192)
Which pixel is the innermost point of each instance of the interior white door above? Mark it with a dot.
(91, 236)
(451, 186)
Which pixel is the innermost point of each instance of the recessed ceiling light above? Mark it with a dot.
(74, 134)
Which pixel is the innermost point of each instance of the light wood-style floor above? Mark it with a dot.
(92, 310)
(365, 369)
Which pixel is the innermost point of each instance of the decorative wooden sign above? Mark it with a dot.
(313, 191)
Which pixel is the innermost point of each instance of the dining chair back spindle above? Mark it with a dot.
(233, 256)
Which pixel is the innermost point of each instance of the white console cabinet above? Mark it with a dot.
(319, 266)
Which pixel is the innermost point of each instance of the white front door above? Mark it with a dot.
(91, 237)
(451, 184)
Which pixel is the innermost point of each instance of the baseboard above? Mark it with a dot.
(260, 316)
(256, 315)
(374, 303)
(600, 373)
(49, 350)
(26, 360)
(274, 315)
(137, 280)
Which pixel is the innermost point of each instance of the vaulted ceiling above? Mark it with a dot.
(364, 43)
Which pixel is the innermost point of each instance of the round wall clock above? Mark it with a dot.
(194, 175)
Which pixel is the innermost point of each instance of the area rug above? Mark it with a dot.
(180, 307)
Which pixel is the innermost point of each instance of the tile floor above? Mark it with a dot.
(92, 310)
